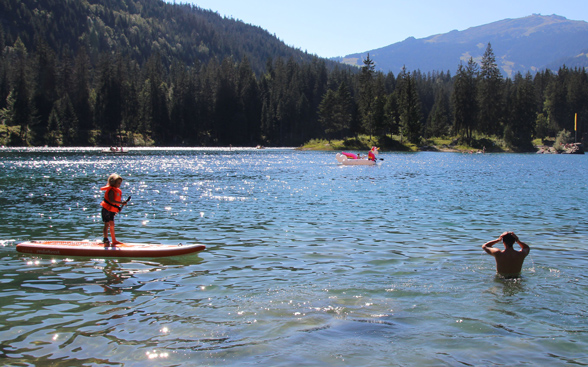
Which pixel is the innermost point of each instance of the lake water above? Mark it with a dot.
(307, 262)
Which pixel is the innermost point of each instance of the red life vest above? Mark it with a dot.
(106, 204)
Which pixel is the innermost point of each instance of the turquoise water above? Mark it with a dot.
(307, 262)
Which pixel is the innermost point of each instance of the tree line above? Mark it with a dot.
(476, 102)
(94, 94)
(70, 102)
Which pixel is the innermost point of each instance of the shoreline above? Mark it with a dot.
(574, 148)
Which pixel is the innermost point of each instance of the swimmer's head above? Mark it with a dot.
(508, 240)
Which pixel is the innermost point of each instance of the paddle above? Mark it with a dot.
(128, 199)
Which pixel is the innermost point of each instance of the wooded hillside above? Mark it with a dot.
(78, 73)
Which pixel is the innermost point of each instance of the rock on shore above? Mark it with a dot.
(574, 148)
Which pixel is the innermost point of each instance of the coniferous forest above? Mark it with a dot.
(79, 73)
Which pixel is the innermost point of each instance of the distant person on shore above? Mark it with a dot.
(111, 205)
(509, 261)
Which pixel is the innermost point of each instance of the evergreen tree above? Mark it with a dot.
(367, 96)
(230, 123)
(391, 113)
(130, 111)
(439, 120)
(62, 123)
(489, 94)
(250, 102)
(4, 81)
(45, 91)
(409, 107)
(179, 100)
(153, 101)
(541, 126)
(20, 110)
(518, 133)
(577, 97)
(80, 95)
(556, 101)
(335, 111)
(205, 101)
(109, 100)
(379, 105)
(464, 100)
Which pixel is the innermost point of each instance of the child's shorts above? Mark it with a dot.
(107, 216)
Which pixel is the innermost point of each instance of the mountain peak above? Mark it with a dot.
(524, 44)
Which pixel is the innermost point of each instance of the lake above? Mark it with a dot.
(307, 262)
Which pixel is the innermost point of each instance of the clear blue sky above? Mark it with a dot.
(330, 28)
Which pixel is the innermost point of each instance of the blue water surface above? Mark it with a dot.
(307, 262)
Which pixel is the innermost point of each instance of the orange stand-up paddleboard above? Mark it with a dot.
(97, 249)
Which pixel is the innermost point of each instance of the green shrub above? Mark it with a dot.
(563, 137)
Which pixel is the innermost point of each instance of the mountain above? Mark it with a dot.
(525, 44)
(95, 72)
(138, 29)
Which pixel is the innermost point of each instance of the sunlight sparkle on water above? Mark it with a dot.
(306, 262)
(155, 354)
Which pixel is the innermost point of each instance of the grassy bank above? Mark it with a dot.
(395, 143)
(10, 136)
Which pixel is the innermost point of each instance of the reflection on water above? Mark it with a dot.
(307, 262)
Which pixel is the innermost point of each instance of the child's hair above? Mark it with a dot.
(112, 179)
(508, 239)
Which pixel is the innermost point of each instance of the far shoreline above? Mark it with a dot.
(325, 146)
(444, 145)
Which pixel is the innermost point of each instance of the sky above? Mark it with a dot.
(330, 28)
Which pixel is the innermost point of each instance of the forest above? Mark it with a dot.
(135, 73)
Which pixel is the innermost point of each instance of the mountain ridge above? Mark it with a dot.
(531, 43)
(139, 29)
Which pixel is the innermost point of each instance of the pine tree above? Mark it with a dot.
(556, 102)
(109, 100)
(81, 91)
(249, 100)
(153, 101)
(577, 98)
(391, 114)
(367, 95)
(229, 124)
(45, 90)
(464, 101)
(439, 120)
(519, 130)
(22, 109)
(335, 111)
(490, 95)
(379, 105)
(410, 108)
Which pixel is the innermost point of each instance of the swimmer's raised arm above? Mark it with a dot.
(524, 247)
(488, 245)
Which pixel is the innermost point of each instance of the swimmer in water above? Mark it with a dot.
(509, 261)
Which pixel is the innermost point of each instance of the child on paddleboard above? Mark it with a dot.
(111, 205)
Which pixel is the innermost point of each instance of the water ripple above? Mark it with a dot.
(307, 262)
